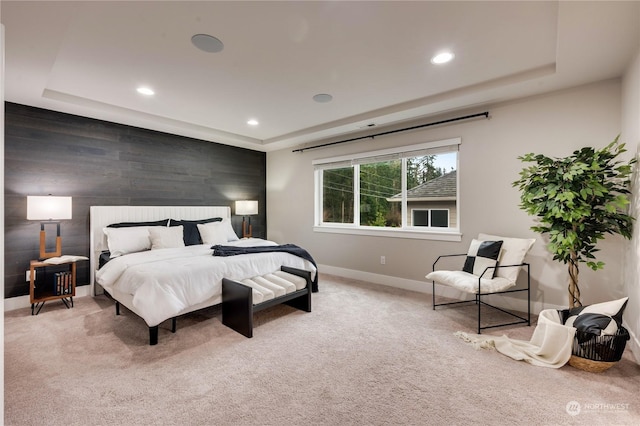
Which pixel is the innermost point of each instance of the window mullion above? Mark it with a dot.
(356, 194)
(320, 196)
(403, 185)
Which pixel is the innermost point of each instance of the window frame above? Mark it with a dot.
(403, 152)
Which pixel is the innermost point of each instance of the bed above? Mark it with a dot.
(167, 281)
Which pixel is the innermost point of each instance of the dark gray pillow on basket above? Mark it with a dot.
(599, 319)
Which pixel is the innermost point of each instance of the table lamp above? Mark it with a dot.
(246, 208)
(49, 210)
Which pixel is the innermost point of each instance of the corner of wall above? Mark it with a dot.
(2, 200)
(631, 135)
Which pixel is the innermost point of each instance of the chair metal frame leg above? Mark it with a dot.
(478, 301)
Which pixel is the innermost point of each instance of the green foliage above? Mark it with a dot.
(380, 220)
(338, 195)
(378, 182)
(421, 170)
(578, 200)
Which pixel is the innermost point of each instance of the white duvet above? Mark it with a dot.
(165, 282)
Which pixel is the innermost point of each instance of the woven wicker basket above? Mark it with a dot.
(590, 365)
(596, 354)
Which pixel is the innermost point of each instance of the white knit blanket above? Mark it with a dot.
(550, 345)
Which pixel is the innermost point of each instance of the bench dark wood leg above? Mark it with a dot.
(303, 302)
(237, 307)
(173, 324)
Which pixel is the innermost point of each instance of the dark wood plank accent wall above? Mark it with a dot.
(103, 163)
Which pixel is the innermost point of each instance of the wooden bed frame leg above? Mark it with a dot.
(153, 335)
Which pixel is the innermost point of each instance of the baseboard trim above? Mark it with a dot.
(425, 287)
(634, 343)
(20, 302)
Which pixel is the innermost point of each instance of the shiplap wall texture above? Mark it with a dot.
(103, 163)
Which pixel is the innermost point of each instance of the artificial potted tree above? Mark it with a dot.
(578, 200)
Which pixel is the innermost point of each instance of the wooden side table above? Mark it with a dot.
(64, 289)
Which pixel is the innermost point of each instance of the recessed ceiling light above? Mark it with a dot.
(322, 98)
(252, 122)
(442, 58)
(145, 91)
(207, 43)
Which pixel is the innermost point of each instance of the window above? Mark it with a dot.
(439, 218)
(420, 218)
(432, 217)
(410, 192)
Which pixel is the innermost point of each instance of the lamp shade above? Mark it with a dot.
(244, 208)
(48, 208)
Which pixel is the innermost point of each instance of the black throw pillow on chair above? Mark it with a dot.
(482, 255)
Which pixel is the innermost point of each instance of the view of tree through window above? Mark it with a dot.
(373, 191)
(337, 195)
(378, 183)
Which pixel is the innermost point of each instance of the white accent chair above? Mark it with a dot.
(499, 277)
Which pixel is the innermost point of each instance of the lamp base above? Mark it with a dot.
(44, 254)
(246, 230)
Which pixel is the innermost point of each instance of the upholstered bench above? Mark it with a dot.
(240, 299)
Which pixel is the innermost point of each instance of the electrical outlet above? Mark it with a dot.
(383, 260)
(27, 276)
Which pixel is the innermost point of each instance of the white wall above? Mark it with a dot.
(631, 135)
(554, 124)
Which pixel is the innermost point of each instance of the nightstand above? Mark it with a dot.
(63, 286)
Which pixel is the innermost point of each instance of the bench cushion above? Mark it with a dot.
(297, 281)
(259, 294)
(270, 286)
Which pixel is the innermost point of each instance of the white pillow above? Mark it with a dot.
(513, 252)
(231, 234)
(225, 224)
(127, 240)
(166, 237)
(213, 233)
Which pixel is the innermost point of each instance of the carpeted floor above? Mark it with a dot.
(366, 355)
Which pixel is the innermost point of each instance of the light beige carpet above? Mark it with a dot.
(366, 355)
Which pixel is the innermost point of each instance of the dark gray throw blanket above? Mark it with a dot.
(220, 250)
